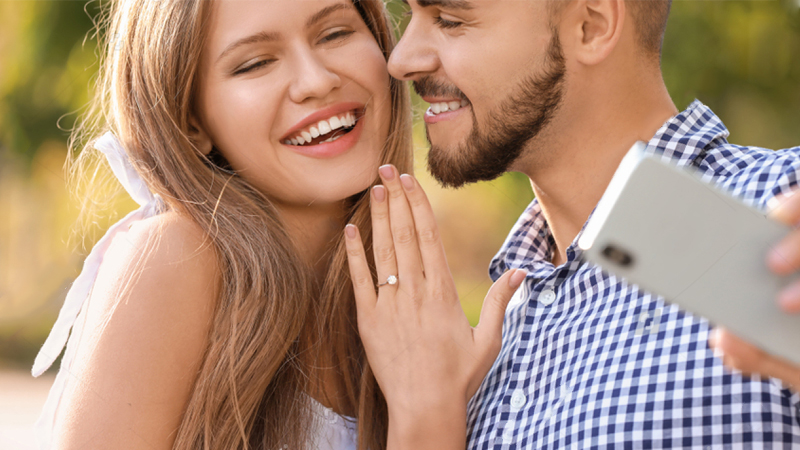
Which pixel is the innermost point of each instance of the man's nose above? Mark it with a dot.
(414, 56)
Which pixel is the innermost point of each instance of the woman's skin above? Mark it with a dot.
(130, 388)
(426, 371)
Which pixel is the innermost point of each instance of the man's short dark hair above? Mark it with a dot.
(650, 21)
(650, 18)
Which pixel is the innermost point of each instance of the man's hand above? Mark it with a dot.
(784, 259)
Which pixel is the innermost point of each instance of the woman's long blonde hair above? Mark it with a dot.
(273, 323)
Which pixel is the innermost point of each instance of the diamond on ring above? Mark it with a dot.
(392, 279)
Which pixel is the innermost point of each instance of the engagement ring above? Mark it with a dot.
(391, 280)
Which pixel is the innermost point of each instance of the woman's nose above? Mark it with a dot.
(313, 78)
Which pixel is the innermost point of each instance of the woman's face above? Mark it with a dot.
(295, 95)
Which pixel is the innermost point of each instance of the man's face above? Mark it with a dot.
(493, 71)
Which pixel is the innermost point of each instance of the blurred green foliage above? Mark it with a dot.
(742, 58)
(47, 65)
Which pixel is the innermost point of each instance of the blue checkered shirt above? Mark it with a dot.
(589, 361)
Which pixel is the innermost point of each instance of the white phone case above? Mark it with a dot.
(662, 228)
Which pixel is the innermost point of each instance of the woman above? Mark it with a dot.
(222, 315)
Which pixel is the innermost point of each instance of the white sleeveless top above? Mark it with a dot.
(333, 431)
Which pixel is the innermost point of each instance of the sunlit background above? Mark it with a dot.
(742, 58)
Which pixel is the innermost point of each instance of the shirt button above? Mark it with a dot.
(547, 297)
(517, 400)
(508, 433)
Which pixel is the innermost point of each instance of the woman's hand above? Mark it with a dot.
(426, 357)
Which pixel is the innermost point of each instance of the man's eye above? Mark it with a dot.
(448, 24)
(340, 34)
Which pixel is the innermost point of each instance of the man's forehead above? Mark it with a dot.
(450, 4)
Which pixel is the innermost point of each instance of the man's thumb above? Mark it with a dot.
(490, 326)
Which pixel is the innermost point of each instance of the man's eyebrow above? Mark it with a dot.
(449, 4)
(261, 36)
(264, 36)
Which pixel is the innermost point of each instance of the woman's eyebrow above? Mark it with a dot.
(261, 36)
(264, 36)
(325, 12)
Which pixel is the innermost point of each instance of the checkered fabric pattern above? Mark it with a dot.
(591, 362)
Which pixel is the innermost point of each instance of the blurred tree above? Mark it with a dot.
(46, 70)
(741, 59)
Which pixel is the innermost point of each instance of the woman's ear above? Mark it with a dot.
(199, 137)
(598, 28)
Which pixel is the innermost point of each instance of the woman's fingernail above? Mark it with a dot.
(517, 278)
(387, 172)
(407, 181)
(379, 192)
(350, 231)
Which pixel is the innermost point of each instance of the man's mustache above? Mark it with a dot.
(429, 87)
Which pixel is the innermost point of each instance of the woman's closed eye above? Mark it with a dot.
(336, 35)
(255, 65)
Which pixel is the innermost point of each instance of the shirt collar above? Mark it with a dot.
(682, 140)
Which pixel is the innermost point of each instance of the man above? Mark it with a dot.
(560, 90)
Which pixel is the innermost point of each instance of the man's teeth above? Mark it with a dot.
(322, 128)
(437, 108)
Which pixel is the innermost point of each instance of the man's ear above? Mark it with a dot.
(596, 27)
(198, 135)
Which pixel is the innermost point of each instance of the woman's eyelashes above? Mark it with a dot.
(256, 65)
(337, 35)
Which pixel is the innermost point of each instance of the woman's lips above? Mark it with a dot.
(326, 114)
(332, 149)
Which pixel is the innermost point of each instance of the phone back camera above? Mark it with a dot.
(617, 256)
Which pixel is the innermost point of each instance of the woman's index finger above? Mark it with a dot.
(360, 274)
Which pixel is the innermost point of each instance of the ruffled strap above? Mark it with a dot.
(150, 205)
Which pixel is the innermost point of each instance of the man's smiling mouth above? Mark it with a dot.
(443, 107)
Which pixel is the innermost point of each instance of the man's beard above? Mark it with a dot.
(491, 149)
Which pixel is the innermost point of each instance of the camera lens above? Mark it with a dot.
(617, 256)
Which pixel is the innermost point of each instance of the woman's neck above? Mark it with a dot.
(313, 229)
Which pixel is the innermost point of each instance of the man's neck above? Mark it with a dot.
(581, 151)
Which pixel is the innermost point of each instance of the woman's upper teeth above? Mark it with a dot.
(322, 128)
(441, 107)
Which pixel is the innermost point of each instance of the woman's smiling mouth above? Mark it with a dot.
(328, 132)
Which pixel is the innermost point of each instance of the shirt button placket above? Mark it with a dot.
(508, 433)
(518, 400)
(547, 297)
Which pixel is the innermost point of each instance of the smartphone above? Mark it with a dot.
(661, 227)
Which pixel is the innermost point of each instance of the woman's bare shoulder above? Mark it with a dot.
(143, 337)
